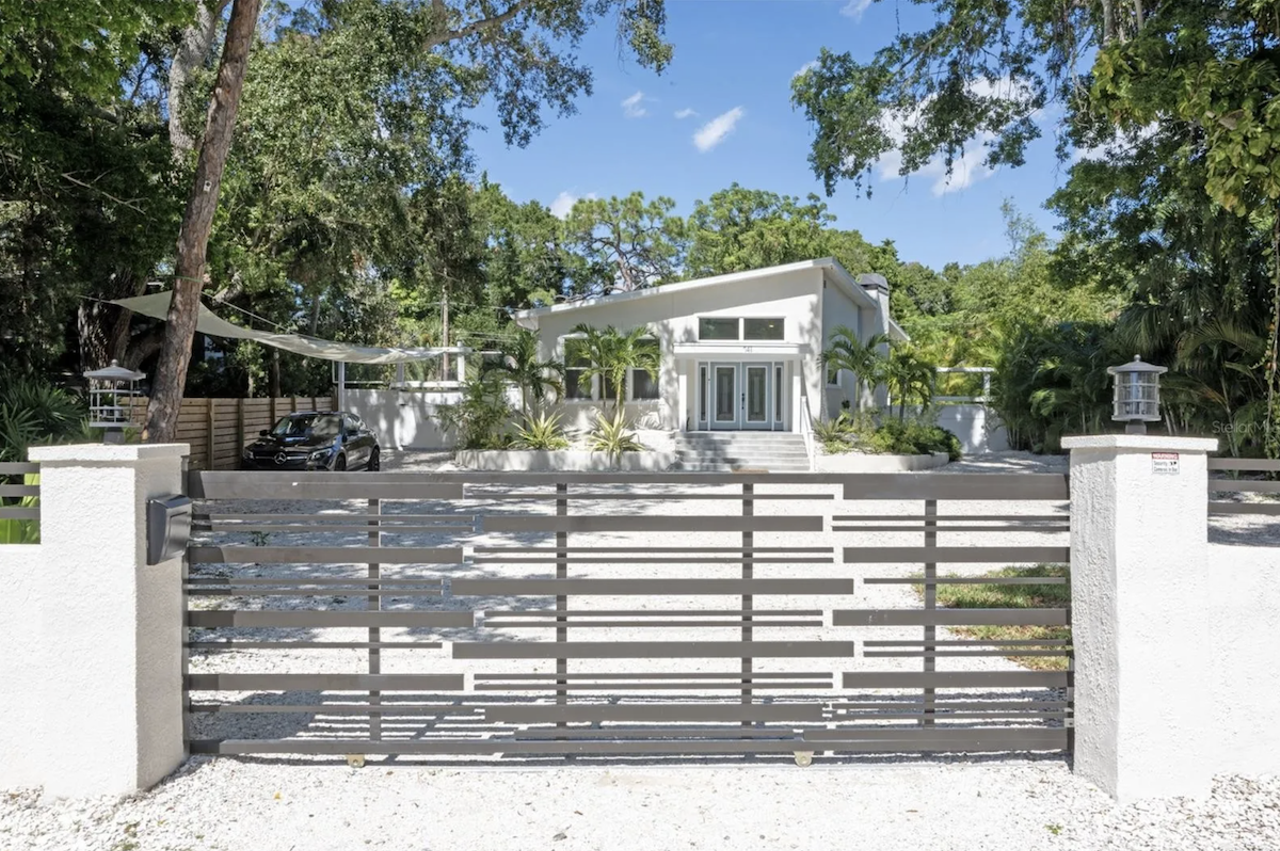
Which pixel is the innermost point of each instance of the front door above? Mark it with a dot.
(756, 404)
(725, 404)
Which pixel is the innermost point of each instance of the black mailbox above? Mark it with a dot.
(168, 527)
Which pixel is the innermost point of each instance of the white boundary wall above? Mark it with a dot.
(91, 636)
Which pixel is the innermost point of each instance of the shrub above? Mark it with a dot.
(543, 432)
(480, 417)
(34, 412)
(612, 436)
(898, 437)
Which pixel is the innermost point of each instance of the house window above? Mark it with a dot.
(576, 384)
(762, 329)
(777, 395)
(833, 376)
(643, 385)
(715, 328)
(637, 385)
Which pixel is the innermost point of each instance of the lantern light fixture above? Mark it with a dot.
(1137, 394)
(112, 392)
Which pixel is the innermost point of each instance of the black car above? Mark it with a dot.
(314, 440)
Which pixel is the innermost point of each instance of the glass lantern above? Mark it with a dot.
(112, 392)
(1137, 394)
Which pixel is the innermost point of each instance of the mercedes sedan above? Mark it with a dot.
(315, 440)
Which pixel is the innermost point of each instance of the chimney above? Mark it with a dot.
(873, 283)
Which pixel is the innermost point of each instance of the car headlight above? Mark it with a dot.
(319, 455)
(247, 453)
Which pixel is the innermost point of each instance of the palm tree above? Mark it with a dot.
(613, 353)
(909, 376)
(535, 378)
(863, 358)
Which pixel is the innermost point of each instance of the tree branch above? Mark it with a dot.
(475, 27)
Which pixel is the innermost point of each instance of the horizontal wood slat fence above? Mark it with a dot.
(218, 430)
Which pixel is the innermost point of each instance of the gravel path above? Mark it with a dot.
(978, 803)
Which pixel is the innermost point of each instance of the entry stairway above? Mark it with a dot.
(725, 451)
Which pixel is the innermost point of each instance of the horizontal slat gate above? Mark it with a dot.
(600, 614)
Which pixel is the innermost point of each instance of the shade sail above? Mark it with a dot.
(157, 307)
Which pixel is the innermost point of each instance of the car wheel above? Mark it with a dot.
(340, 463)
(375, 462)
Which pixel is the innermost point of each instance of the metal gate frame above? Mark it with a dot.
(622, 712)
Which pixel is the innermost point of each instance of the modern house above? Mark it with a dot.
(738, 352)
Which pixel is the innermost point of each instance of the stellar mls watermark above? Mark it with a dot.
(1244, 429)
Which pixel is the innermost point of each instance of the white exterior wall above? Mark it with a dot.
(1244, 607)
(838, 309)
(673, 317)
(91, 648)
(403, 419)
(22, 663)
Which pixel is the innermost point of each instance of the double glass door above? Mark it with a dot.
(740, 396)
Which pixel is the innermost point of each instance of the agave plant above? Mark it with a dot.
(612, 436)
(543, 432)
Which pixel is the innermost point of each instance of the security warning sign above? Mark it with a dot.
(1164, 463)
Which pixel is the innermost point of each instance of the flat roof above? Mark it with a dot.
(831, 269)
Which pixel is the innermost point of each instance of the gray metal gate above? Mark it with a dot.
(614, 614)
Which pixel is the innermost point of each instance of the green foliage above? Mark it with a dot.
(1029, 595)
(480, 418)
(738, 229)
(864, 358)
(614, 353)
(613, 436)
(913, 437)
(83, 47)
(16, 530)
(535, 378)
(627, 242)
(34, 412)
(541, 432)
(909, 377)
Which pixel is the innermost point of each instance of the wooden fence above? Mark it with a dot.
(219, 429)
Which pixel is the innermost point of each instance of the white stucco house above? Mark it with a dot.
(738, 352)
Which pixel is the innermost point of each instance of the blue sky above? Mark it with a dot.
(730, 80)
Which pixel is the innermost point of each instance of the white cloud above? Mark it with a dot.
(633, 107)
(1125, 141)
(685, 113)
(967, 168)
(855, 8)
(713, 132)
(805, 68)
(564, 202)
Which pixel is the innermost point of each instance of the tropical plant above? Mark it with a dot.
(34, 412)
(910, 377)
(913, 437)
(613, 354)
(535, 378)
(864, 358)
(543, 432)
(612, 435)
(480, 418)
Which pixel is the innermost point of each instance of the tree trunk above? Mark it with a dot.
(1271, 437)
(274, 390)
(197, 221)
(191, 54)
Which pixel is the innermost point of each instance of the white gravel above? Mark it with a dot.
(973, 803)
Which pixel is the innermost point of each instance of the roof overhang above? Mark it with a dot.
(832, 272)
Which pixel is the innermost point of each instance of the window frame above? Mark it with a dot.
(598, 382)
(782, 324)
(591, 395)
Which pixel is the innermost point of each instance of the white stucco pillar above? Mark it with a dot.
(682, 368)
(1140, 626)
(110, 626)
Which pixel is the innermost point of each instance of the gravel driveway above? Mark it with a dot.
(916, 803)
